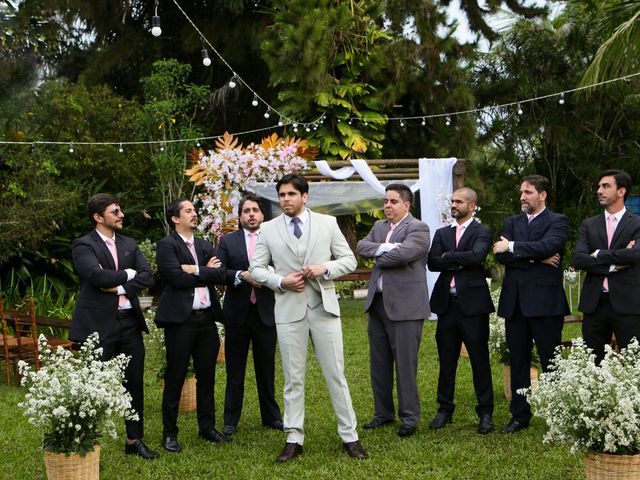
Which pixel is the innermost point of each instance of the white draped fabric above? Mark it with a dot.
(358, 166)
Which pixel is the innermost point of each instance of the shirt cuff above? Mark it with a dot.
(121, 290)
(131, 273)
(238, 279)
(511, 246)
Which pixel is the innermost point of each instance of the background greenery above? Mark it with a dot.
(456, 452)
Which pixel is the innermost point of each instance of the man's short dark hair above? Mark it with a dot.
(296, 180)
(99, 203)
(622, 178)
(250, 197)
(540, 183)
(405, 192)
(173, 210)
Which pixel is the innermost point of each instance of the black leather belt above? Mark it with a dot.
(454, 298)
(124, 313)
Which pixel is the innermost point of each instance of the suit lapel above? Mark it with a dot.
(242, 245)
(182, 246)
(314, 232)
(624, 221)
(102, 252)
(466, 235)
(283, 229)
(401, 226)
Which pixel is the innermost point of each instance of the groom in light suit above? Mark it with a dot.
(307, 251)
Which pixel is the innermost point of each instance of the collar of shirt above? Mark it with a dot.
(465, 224)
(247, 232)
(618, 215)
(185, 239)
(304, 218)
(105, 238)
(531, 217)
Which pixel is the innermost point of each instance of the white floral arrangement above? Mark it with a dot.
(589, 406)
(497, 334)
(231, 169)
(75, 399)
(570, 276)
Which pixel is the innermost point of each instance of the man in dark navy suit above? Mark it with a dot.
(248, 319)
(112, 272)
(532, 300)
(463, 303)
(188, 310)
(609, 251)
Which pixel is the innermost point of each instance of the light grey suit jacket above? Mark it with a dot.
(406, 295)
(327, 246)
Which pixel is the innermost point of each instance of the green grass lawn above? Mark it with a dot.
(456, 452)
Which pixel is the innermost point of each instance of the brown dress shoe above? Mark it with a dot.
(355, 450)
(290, 451)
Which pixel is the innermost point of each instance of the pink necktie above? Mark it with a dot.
(202, 293)
(611, 228)
(252, 248)
(459, 230)
(393, 227)
(111, 245)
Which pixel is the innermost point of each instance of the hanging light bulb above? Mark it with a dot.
(156, 31)
(267, 114)
(366, 123)
(232, 82)
(338, 119)
(254, 102)
(295, 127)
(71, 148)
(162, 148)
(206, 61)
(120, 149)
(308, 129)
(561, 101)
(315, 126)
(198, 144)
(447, 122)
(280, 122)
(350, 122)
(519, 109)
(402, 123)
(424, 122)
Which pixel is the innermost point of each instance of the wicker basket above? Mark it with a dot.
(73, 467)
(506, 380)
(188, 396)
(604, 466)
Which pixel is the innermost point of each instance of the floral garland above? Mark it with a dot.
(230, 169)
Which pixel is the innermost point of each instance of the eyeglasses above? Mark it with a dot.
(115, 211)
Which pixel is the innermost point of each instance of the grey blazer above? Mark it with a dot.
(406, 296)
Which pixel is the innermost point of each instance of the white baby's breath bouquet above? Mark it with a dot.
(589, 406)
(75, 398)
(497, 335)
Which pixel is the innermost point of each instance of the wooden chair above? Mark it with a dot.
(24, 345)
(6, 339)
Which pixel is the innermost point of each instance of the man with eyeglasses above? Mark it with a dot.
(112, 273)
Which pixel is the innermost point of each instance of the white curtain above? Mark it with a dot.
(436, 184)
(358, 166)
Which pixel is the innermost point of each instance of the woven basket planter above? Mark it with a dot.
(506, 380)
(188, 396)
(221, 357)
(73, 467)
(604, 466)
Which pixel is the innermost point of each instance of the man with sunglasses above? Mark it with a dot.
(112, 273)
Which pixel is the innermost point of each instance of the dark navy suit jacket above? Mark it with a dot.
(466, 262)
(536, 287)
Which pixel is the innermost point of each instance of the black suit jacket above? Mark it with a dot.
(624, 285)
(232, 252)
(96, 310)
(466, 262)
(176, 301)
(537, 287)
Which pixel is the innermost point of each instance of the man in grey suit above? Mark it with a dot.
(307, 251)
(397, 303)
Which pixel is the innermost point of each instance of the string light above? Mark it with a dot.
(561, 101)
(206, 61)
(254, 102)
(162, 148)
(424, 121)
(156, 31)
(280, 122)
(232, 82)
(267, 114)
(71, 148)
(447, 122)
(120, 149)
(198, 144)
(519, 109)
(402, 123)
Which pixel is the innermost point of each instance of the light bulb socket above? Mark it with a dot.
(156, 31)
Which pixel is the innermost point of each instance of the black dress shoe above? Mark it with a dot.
(514, 426)
(440, 421)
(486, 425)
(170, 444)
(214, 436)
(277, 425)
(355, 450)
(289, 452)
(140, 449)
(406, 430)
(377, 422)
(229, 430)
